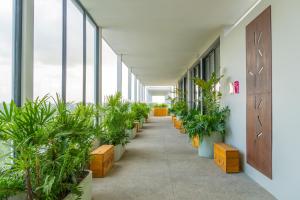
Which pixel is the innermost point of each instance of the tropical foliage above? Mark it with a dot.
(51, 146)
(214, 116)
(178, 104)
(116, 119)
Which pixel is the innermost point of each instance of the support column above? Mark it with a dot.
(129, 84)
(98, 67)
(119, 73)
(135, 89)
(189, 89)
(27, 40)
(141, 92)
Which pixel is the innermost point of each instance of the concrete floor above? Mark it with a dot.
(160, 164)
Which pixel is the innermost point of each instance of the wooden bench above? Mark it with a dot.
(178, 124)
(102, 160)
(227, 158)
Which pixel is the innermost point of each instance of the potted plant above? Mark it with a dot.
(115, 113)
(141, 111)
(210, 126)
(51, 146)
(130, 126)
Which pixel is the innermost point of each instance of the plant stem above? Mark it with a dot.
(28, 184)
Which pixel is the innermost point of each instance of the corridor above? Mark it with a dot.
(160, 164)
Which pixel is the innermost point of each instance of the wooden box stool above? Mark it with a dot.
(227, 158)
(102, 160)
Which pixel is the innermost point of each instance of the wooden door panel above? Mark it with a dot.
(259, 93)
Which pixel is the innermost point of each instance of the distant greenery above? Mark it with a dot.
(140, 110)
(161, 105)
(178, 104)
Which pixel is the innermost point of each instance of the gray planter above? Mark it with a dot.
(118, 151)
(141, 123)
(20, 196)
(85, 185)
(96, 144)
(206, 148)
(131, 133)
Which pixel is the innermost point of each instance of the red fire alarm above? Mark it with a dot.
(236, 87)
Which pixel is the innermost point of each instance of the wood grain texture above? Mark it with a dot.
(102, 160)
(259, 93)
(227, 158)
(160, 112)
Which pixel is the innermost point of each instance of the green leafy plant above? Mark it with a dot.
(140, 110)
(130, 120)
(178, 104)
(51, 145)
(161, 105)
(213, 119)
(10, 183)
(115, 120)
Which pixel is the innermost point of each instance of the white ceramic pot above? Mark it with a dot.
(141, 123)
(206, 148)
(118, 151)
(131, 133)
(20, 196)
(86, 186)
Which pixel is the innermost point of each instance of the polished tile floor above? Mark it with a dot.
(160, 164)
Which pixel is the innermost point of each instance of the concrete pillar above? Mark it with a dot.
(27, 50)
(99, 73)
(189, 89)
(142, 92)
(119, 73)
(129, 84)
(135, 89)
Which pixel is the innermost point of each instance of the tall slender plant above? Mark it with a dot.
(214, 116)
(115, 120)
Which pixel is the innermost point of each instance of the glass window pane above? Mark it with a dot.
(74, 87)
(109, 71)
(6, 34)
(6, 18)
(47, 47)
(90, 62)
(124, 81)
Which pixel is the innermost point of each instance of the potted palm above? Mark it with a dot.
(130, 126)
(115, 113)
(210, 126)
(51, 145)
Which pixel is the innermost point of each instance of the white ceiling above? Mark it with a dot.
(160, 38)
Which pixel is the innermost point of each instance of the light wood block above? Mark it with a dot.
(178, 124)
(227, 158)
(196, 142)
(160, 112)
(102, 160)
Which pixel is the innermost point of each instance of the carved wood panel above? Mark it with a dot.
(259, 93)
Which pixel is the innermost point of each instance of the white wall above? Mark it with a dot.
(286, 94)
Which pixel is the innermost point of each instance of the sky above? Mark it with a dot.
(5, 50)
(47, 53)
